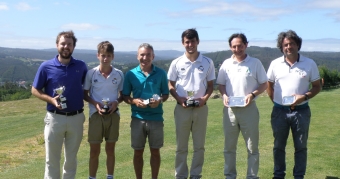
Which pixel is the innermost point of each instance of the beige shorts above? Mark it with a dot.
(142, 129)
(103, 126)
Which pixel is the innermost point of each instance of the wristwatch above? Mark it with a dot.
(306, 97)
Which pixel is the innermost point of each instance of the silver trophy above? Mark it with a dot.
(155, 97)
(191, 102)
(61, 99)
(106, 107)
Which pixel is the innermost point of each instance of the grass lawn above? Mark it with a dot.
(22, 153)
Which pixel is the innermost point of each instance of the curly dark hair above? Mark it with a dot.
(290, 34)
(238, 35)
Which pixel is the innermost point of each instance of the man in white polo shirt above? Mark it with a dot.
(191, 83)
(241, 78)
(103, 83)
(289, 78)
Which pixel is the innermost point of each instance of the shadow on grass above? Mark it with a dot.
(329, 177)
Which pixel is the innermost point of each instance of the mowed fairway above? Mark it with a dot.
(22, 153)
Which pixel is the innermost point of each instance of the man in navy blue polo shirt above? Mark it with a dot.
(149, 86)
(63, 122)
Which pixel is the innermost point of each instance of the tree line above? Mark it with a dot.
(10, 91)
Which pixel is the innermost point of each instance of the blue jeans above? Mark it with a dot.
(282, 120)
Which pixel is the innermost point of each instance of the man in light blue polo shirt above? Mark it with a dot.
(63, 123)
(149, 87)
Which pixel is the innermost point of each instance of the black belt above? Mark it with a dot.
(181, 104)
(67, 113)
(289, 107)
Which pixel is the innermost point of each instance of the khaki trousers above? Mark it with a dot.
(188, 120)
(246, 120)
(59, 130)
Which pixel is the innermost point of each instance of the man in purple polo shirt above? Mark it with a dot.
(64, 120)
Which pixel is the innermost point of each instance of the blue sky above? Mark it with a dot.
(35, 24)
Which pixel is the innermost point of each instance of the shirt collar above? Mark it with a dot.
(57, 62)
(198, 59)
(298, 60)
(243, 61)
(113, 71)
(140, 70)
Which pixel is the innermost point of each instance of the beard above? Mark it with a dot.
(66, 54)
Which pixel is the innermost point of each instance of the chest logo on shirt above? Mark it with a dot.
(200, 68)
(182, 69)
(95, 80)
(114, 81)
(243, 70)
(301, 73)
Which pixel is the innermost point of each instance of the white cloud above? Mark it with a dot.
(81, 26)
(235, 9)
(22, 6)
(3, 6)
(335, 15)
(329, 4)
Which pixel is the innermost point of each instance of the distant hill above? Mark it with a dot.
(329, 59)
(87, 56)
(22, 64)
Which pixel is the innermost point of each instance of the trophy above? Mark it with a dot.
(191, 102)
(61, 99)
(155, 97)
(106, 105)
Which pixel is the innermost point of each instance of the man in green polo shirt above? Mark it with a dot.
(149, 87)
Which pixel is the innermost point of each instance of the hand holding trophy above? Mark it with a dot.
(61, 99)
(151, 101)
(191, 102)
(106, 107)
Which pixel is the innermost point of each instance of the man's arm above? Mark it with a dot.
(210, 89)
(180, 100)
(224, 95)
(270, 90)
(43, 96)
(96, 104)
(121, 97)
(262, 87)
(316, 88)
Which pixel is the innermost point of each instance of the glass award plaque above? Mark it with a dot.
(236, 101)
(288, 100)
